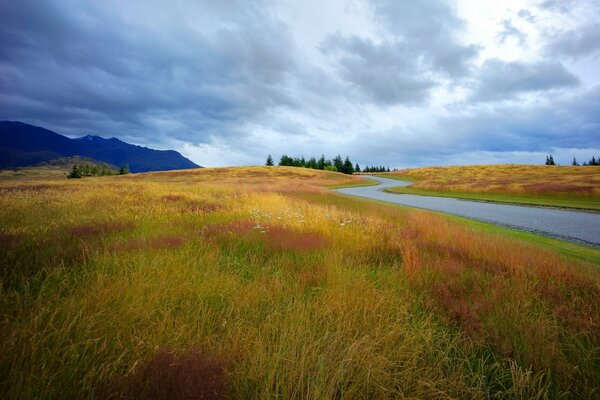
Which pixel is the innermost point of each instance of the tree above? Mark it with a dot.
(550, 160)
(75, 173)
(338, 163)
(285, 161)
(331, 168)
(124, 170)
(357, 168)
(321, 162)
(347, 167)
(269, 162)
(575, 163)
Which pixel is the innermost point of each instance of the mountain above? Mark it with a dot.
(23, 144)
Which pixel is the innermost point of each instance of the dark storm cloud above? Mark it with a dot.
(430, 29)
(216, 63)
(576, 43)
(421, 45)
(500, 80)
(386, 73)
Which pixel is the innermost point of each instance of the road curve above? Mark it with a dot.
(576, 226)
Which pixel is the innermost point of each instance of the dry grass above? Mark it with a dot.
(566, 186)
(289, 290)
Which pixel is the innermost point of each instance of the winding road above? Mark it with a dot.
(576, 226)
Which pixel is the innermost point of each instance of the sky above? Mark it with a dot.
(400, 83)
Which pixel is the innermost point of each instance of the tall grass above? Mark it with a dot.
(560, 186)
(258, 283)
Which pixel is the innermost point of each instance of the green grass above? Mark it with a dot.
(363, 182)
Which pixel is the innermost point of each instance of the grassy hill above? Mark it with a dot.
(51, 169)
(555, 186)
(262, 283)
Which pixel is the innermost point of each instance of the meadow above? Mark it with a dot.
(541, 185)
(261, 283)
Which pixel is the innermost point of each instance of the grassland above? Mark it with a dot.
(261, 283)
(540, 185)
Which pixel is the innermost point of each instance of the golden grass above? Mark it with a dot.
(260, 283)
(566, 186)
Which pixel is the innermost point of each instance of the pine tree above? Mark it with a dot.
(575, 163)
(347, 167)
(269, 162)
(338, 163)
(357, 168)
(75, 173)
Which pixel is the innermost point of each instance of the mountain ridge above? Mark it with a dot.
(22, 144)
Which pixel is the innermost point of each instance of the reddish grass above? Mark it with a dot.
(192, 376)
(235, 228)
(9, 240)
(567, 188)
(101, 228)
(158, 243)
(281, 238)
(312, 277)
(172, 197)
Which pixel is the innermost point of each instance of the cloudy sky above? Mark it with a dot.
(394, 82)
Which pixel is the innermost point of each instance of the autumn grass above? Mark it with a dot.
(260, 283)
(540, 185)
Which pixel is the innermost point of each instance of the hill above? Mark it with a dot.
(540, 185)
(23, 144)
(56, 168)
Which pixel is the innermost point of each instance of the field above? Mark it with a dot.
(262, 283)
(555, 186)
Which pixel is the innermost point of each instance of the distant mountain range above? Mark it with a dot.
(23, 144)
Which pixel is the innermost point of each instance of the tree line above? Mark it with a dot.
(593, 161)
(337, 164)
(83, 170)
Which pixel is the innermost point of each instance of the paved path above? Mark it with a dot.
(576, 226)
